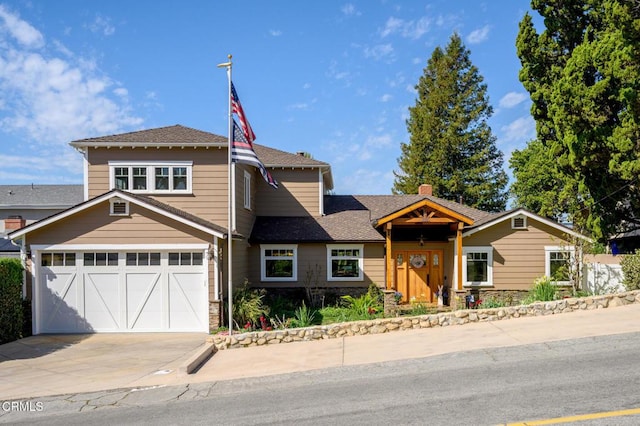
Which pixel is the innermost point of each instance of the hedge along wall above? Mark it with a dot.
(11, 314)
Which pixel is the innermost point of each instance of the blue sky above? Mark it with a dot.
(333, 78)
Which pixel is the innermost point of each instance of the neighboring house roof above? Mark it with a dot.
(7, 246)
(178, 135)
(146, 202)
(40, 196)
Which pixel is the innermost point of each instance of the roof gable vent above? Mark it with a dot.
(519, 222)
(118, 207)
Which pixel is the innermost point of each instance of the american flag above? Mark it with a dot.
(242, 152)
(236, 107)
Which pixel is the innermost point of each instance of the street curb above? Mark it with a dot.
(202, 354)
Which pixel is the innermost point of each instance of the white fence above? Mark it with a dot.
(602, 274)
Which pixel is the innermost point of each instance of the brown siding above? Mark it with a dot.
(95, 226)
(312, 267)
(298, 194)
(209, 197)
(518, 255)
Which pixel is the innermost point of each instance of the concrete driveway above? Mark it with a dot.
(59, 364)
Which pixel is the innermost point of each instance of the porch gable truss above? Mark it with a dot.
(424, 212)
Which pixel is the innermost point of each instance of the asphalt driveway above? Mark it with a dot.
(60, 364)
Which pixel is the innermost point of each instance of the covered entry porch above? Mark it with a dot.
(422, 243)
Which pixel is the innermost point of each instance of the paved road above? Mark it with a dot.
(488, 386)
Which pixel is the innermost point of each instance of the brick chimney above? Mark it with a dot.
(425, 189)
(14, 222)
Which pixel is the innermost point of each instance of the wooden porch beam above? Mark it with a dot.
(423, 220)
(459, 252)
(389, 283)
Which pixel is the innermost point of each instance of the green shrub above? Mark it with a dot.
(543, 290)
(303, 316)
(630, 264)
(11, 311)
(248, 306)
(493, 302)
(364, 306)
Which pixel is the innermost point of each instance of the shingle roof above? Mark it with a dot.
(7, 246)
(384, 205)
(271, 157)
(170, 135)
(348, 218)
(40, 196)
(180, 135)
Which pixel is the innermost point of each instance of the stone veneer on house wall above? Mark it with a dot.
(386, 325)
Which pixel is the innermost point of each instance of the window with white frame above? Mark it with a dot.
(151, 177)
(247, 190)
(558, 263)
(478, 266)
(345, 262)
(58, 259)
(279, 262)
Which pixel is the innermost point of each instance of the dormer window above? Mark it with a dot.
(118, 207)
(519, 222)
(151, 177)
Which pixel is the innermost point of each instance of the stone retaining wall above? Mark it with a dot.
(386, 325)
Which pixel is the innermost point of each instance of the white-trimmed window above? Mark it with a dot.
(143, 259)
(151, 177)
(100, 259)
(345, 262)
(478, 266)
(185, 259)
(557, 263)
(279, 262)
(247, 190)
(58, 259)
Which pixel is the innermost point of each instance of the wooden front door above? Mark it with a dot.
(418, 274)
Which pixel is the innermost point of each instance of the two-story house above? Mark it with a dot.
(146, 249)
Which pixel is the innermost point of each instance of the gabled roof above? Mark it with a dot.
(163, 136)
(501, 217)
(40, 196)
(382, 206)
(348, 218)
(181, 136)
(145, 202)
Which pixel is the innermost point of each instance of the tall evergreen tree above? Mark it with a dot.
(451, 145)
(583, 75)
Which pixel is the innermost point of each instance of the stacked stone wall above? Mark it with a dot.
(387, 325)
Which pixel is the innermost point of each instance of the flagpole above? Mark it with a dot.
(231, 199)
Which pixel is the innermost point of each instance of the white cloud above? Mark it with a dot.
(350, 10)
(379, 51)
(512, 99)
(479, 35)
(407, 29)
(20, 30)
(101, 25)
(386, 97)
(522, 129)
(275, 33)
(51, 100)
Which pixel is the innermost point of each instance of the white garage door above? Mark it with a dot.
(133, 291)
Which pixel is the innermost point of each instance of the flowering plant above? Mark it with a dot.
(397, 296)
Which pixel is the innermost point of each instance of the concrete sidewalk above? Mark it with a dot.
(80, 369)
